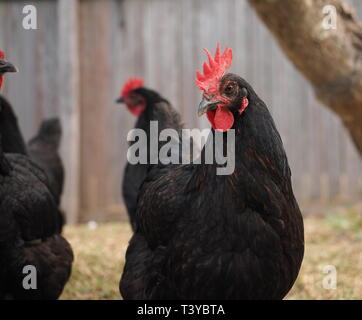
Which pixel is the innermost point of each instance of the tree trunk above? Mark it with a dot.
(331, 59)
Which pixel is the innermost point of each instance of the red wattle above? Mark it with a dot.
(137, 110)
(221, 119)
(211, 115)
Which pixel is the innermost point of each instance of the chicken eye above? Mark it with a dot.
(230, 88)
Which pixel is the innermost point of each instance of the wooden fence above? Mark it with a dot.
(74, 64)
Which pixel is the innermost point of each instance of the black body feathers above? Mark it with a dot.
(43, 149)
(206, 236)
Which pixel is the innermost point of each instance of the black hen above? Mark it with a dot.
(12, 138)
(29, 229)
(43, 150)
(30, 232)
(148, 106)
(201, 235)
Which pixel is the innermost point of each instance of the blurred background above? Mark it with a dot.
(75, 63)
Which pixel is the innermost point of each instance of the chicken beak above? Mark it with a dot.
(120, 100)
(6, 66)
(206, 105)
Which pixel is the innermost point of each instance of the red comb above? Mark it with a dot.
(213, 72)
(131, 84)
(2, 55)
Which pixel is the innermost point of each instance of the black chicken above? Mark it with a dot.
(206, 236)
(43, 150)
(148, 106)
(29, 228)
(12, 138)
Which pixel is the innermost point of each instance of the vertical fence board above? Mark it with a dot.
(69, 108)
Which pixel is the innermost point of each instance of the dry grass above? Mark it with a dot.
(99, 258)
(335, 239)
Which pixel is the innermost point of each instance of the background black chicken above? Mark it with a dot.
(147, 105)
(30, 232)
(206, 236)
(12, 138)
(29, 228)
(44, 150)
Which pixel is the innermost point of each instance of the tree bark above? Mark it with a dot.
(330, 59)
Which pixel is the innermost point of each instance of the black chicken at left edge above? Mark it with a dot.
(30, 220)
